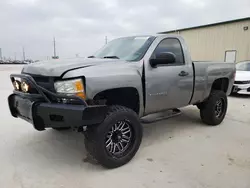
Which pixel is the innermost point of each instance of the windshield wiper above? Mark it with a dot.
(91, 56)
(111, 57)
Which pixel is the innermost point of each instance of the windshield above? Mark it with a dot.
(128, 48)
(243, 66)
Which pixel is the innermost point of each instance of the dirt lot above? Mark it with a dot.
(179, 152)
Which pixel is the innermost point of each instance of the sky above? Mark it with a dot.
(80, 26)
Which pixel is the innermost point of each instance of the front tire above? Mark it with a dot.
(213, 110)
(116, 140)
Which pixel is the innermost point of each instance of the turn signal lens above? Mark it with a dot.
(79, 86)
(81, 95)
(80, 89)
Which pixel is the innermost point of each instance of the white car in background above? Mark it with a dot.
(242, 78)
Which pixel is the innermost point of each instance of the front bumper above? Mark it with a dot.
(241, 88)
(43, 113)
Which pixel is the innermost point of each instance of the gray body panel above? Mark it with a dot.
(164, 88)
(109, 76)
(56, 68)
(206, 73)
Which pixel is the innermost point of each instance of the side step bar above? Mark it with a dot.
(160, 116)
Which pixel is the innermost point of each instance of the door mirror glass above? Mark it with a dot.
(163, 58)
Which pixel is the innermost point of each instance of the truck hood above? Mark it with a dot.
(56, 68)
(242, 76)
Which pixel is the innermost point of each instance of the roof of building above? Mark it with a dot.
(207, 25)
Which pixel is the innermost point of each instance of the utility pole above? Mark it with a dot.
(54, 44)
(23, 54)
(15, 56)
(106, 40)
(1, 58)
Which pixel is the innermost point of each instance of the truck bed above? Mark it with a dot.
(205, 73)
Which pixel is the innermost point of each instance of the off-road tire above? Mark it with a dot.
(208, 108)
(96, 134)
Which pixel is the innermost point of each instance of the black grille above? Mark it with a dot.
(45, 82)
(41, 78)
(242, 82)
(49, 85)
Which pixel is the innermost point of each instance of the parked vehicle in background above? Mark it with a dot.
(9, 61)
(105, 95)
(242, 78)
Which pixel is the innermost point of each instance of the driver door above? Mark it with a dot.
(168, 86)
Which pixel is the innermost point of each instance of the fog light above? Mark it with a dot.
(17, 85)
(25, 87)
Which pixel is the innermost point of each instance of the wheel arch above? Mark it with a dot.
(220, 84)
(125, 96)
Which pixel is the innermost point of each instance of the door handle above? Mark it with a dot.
(183, 73)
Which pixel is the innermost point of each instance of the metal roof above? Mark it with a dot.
(208, 25)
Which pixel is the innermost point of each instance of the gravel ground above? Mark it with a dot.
(176, 153)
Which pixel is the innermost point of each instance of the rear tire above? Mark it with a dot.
(214, 109)
(116, 140)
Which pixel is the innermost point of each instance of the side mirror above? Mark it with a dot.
(163, 58)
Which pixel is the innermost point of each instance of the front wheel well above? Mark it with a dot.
(127, 97)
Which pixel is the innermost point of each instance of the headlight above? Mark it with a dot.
(71, 87)
(24, 87)
(17, 85)
(21, 86)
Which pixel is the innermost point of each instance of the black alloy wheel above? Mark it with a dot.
(116, 140)
(219, 107)
(119, 138)
(214, 109)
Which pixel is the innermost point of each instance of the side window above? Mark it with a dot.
(248, 67)
(171, 45)
(242, 66)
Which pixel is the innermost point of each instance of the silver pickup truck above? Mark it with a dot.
(106, 95)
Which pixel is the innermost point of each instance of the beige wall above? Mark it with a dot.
(210, 43)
